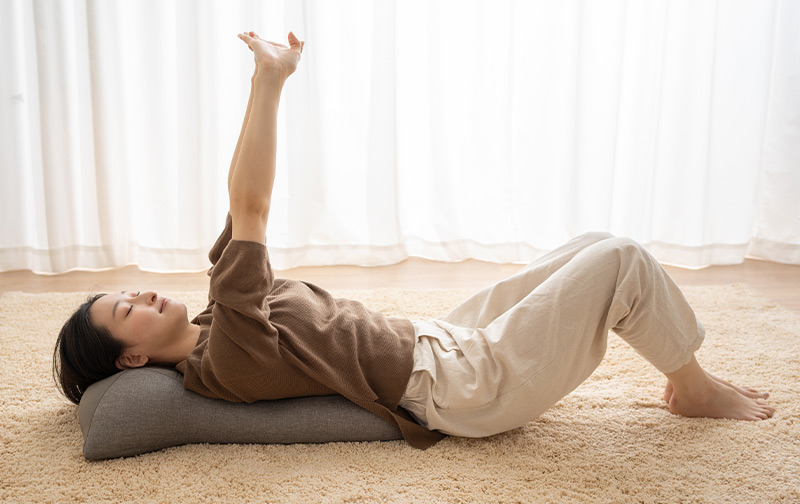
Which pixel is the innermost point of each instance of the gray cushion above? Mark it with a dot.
(146, 409)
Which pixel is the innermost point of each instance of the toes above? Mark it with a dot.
(756, 392)
(767, 411)
(748, 391)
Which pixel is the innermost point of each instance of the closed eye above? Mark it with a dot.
(131, 308)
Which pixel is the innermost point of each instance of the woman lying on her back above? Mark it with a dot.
(495, 362)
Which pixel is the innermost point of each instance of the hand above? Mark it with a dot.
(272, 57)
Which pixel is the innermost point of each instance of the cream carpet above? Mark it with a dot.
(611, 440)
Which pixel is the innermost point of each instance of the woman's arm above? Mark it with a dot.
(241, 133)
(253, 174)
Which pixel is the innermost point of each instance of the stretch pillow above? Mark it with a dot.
(146, 409)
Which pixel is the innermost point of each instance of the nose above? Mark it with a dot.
(149, 297)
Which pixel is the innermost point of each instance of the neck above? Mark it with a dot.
(184, 345)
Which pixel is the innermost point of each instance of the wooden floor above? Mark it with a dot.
(779, 282)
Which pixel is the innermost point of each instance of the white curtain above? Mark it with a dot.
(493, 130)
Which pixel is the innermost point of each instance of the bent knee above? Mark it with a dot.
(627, 247)
(596, 236)
(623, 242)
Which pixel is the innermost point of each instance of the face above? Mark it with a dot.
(152, 324)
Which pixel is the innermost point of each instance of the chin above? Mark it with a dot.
(182, 306)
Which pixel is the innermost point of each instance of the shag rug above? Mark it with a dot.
(611, 440)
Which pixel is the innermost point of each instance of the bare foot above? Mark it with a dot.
(721, 402)
(746, 391)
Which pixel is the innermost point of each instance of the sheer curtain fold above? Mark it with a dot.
(450, 130)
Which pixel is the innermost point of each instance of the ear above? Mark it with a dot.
(128, 361)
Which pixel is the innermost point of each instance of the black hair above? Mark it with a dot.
(84, 353)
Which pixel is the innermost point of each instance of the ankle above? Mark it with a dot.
(691, 382)
(699, 390)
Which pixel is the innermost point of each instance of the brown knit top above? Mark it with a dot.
(273, 338)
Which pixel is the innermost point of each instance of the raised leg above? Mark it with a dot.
(546, 344)
(483, 307)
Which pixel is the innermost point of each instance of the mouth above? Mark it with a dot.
(163, 305)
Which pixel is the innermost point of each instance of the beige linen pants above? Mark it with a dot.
(512, 350)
